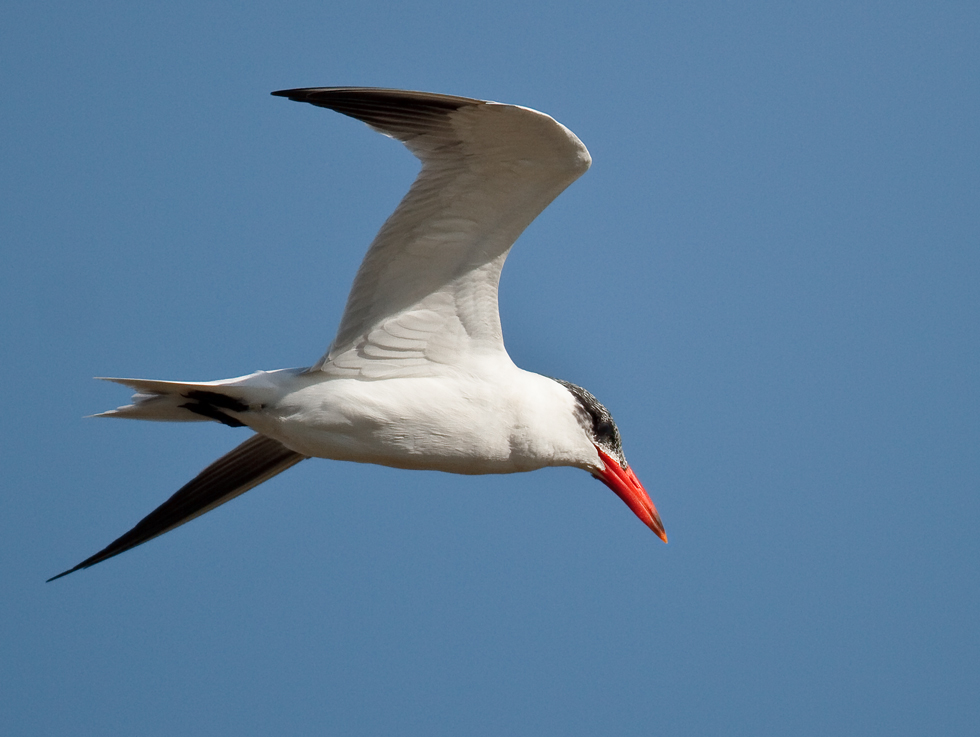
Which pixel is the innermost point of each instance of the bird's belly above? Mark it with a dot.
(421, 425)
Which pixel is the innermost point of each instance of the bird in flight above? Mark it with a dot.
(417, 376)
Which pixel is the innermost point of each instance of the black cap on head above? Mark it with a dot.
(597, 421)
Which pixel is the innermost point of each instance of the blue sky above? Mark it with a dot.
(769, 276)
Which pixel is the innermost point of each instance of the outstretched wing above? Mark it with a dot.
(256, 460)
(426, 292)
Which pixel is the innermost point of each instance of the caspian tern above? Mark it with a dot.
(417, 375)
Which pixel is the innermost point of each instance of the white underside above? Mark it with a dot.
(509, 421)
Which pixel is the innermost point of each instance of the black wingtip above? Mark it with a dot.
(344, 97)
(257, 459)
(64, 573)
(87, 563)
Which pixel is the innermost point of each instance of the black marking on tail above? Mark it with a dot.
(209, 404)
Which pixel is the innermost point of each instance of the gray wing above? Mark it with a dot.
(426, 292)
(256, 460)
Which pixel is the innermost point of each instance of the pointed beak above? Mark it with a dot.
(631, 491)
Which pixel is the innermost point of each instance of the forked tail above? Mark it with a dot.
(182, 401)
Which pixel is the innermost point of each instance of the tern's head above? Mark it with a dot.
(615, 473)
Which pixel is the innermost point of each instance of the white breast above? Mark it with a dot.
(503, 421)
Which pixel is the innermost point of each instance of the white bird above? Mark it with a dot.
(417, 375)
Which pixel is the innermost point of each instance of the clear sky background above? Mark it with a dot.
(769, 275)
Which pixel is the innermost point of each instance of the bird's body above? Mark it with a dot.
(502, 420)
(417, 376)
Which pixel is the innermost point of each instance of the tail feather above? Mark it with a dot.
(183, 401)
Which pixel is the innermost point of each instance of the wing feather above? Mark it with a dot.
(487, 171)
(256, 460)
